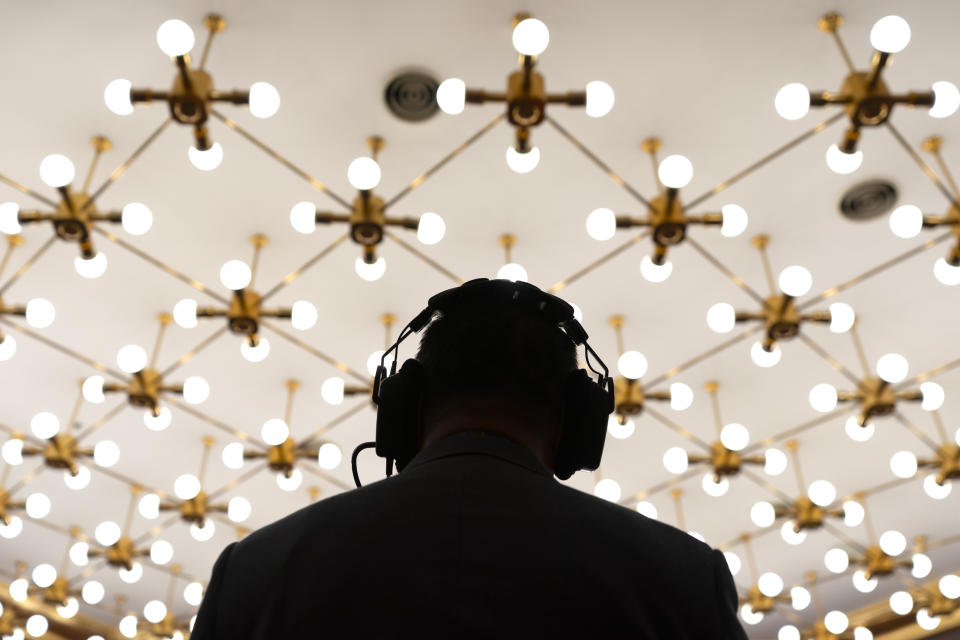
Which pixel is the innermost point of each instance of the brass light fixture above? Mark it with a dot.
(767, 591)
(808, 512)
(723, 456)
(526, 97)
(335, 389)
(147, 384)
(629, 392)
(667, 218)
(944, 463)
(192, 95)
(368, 218)
(75, 215)
(864, 96)
(881, 557)
(38, 312)
(830, 625)
(780, 316)
(160, 622)
(245, 313)
(929, 603)
(194, 504)
(875, 395)
(15, 620)
(908, 220)
(284, 452)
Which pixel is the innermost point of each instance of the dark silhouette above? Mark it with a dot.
(474, 537)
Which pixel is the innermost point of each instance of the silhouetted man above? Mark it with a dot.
(474, 537)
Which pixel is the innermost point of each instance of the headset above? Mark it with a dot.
(399, 394)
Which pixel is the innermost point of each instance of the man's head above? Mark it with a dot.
(495, 368)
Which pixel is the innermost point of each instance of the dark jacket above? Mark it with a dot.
(475, 538)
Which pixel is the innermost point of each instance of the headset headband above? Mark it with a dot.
(501, 293)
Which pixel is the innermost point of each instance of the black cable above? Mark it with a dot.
(353, 460)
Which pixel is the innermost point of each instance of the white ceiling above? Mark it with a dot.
(700, 75)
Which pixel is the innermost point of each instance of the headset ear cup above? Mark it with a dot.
(586, 409)
(398, 413)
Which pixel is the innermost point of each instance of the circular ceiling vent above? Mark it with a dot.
(868, 200)
(412, 96)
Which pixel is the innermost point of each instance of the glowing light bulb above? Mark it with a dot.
(291, 483)
(926, 621)
(675, 171)
(92, 592)
(235, 274)
(903, 464)
(264, 99)
(232, 455)
(733, 562)
(936, 490)
(44, 575)
(618, 430)
(857, 433)
(149, 506)
(823, 397)
(158, 422)
(255, 354)
(735, 220)
(836, 560)
(763, 514)
(363, 173)
(12, 452)
(332, 390)
(303, 217)
(373, 362)
(44, 425)
(774, 462)
(770, 584)
(901, 603)
(949, 586)
(906, 221)
(274, 431)
(842, 317)
(175, 38)
(451, 96)
(632, 364)
(734, 436)
(10, 218)
(892, 542)
(193, 594)
(431, 228)
(128, 626)
(681, 396)
(721, 317)
(795, 281)
(608, 489)
(530, 37)
(12, 529)
(19, 589)
(893, 368)
(8, 347)
(862, 633)
(600, 99)
(890, 34)
(653, 272)
(116, 96)
(106, 453)
(329, 456)
(92, 389)
(70, 609)
(792, 101)
(647, 509)
(788, 632)
(945, 273)
(822, 493)
(136, 218)
(763, 358)
(303, 315)
(946, 99)
(836, 622)
(920, 565)
(187, 486)
(161, 552)
(91, 268)
(206, 160)
(154, 611)
(862, 583)
(40, 313)
(185, 313)
(238, 509)
(370, 272)
(675, 460)
(79, 481)
(601, 224)
(204, 533)
(513, 272)
(195, 390)
(107, 533)
(131, 358)
(853, 513)
(933, 396)
(843, 163)
(749, 616)
(36, 625)
(800, 598)
(57, 170)
(712, 488)
(523, 162)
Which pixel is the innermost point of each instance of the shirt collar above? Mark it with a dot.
(482, 443)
